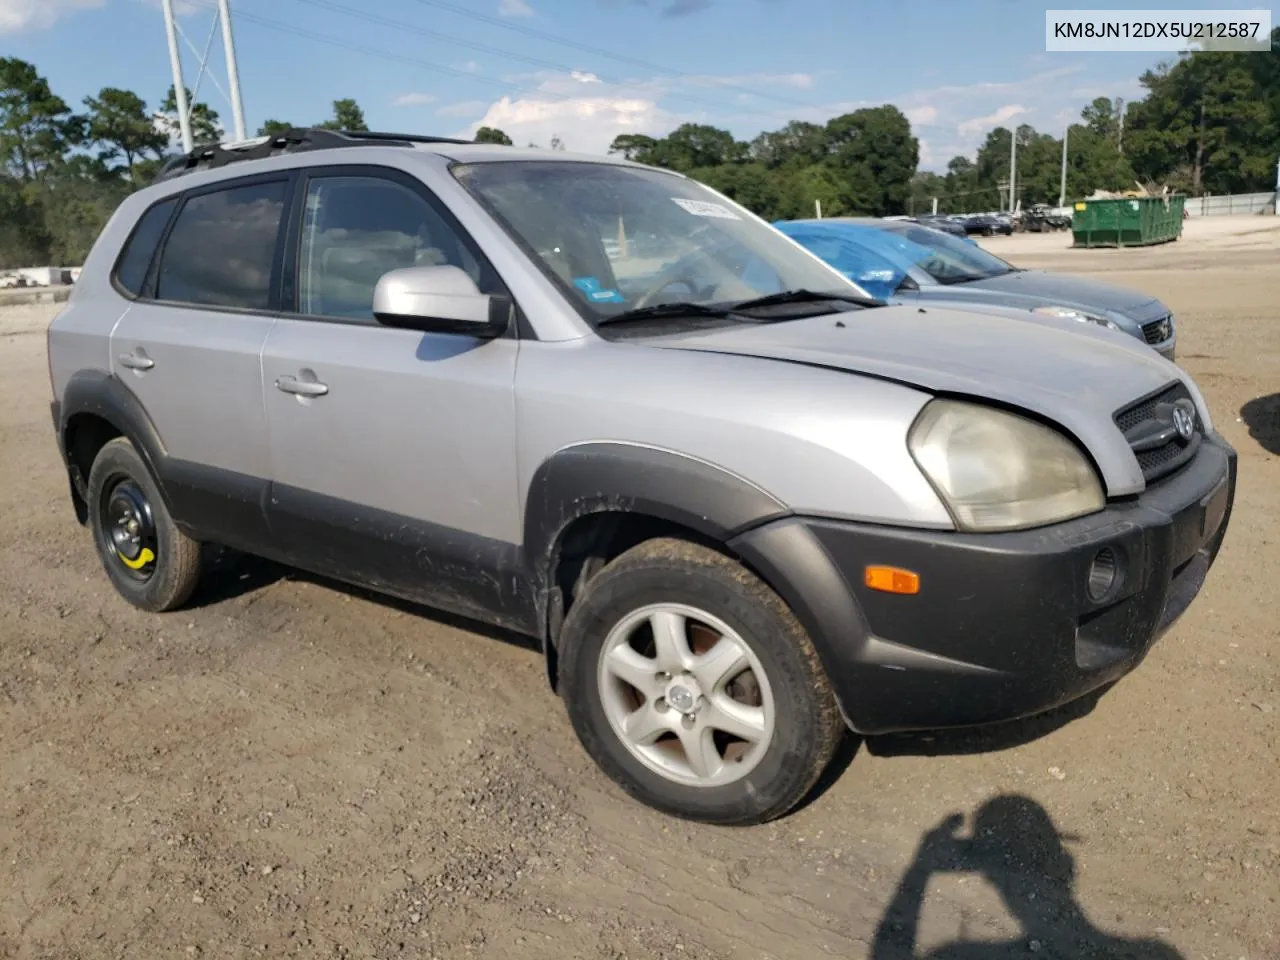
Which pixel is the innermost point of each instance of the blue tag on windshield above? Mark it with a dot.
(591, 287)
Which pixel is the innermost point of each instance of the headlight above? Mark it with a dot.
(998, 471)
(1069, 313)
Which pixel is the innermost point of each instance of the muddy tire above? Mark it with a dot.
(695, 688)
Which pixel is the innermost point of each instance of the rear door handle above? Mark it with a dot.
(136, 362)
(301, 388)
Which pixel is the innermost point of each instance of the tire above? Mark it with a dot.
(121, 490)
(665, 580)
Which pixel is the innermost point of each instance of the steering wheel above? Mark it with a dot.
(682, 271)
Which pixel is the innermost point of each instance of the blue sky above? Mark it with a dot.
(956, 67)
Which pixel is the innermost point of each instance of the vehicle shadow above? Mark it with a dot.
(986, 739)
(951, 743)
(1014, 845)
(1262, 416)
(231, 574)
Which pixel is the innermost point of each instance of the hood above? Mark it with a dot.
(1072, 374)
(1055, 289)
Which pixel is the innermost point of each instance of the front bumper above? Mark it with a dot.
(1004, 625)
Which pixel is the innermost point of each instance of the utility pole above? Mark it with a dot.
(1062, 189)
(233, 74)
(1013, 169)
(179, 88)
(1120, 119)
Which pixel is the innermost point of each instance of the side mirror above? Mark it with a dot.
(438, 299)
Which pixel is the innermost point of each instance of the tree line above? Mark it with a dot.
(1207, 123)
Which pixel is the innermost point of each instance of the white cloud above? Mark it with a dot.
(1001, 115)
(463, 108)
(515, 8)
(585, 124)
(413, 99)
(921, 116)
(19, 15)
(469, 67)
(583, 77)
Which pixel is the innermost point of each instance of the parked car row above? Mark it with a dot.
(740, 503)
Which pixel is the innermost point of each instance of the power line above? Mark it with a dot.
(588, 48)
(359, 48)
(402, 26)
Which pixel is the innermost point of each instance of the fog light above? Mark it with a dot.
(1104, 574)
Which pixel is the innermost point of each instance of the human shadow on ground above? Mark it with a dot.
(1015, 846)
(1262, 416)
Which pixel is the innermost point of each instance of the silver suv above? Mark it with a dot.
(742, 505)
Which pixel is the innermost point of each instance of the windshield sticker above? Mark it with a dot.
(701, 208)
(591, 287)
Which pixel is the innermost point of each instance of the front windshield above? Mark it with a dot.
(946, 258)
(618, 238)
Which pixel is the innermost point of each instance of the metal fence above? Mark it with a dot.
(1231, 204)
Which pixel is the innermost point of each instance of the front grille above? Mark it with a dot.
(1149, 427)
(1158, 331)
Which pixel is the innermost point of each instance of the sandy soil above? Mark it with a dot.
(291, 768)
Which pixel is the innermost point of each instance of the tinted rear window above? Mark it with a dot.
(131, 273)
(222, 247)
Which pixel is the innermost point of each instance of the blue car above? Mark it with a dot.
(904, 262)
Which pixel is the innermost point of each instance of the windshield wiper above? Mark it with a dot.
(663, 310)
(804, 296)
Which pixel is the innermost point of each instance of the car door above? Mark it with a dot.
(392, 450)
(189, 348)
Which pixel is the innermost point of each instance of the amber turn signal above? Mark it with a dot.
(893, 580)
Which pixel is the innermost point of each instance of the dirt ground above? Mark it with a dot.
(292, 768)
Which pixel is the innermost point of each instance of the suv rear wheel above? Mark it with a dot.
(150, 562)
(693, 686)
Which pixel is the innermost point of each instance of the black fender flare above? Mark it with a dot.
(606, 476)
(102, 395)
(612, 477)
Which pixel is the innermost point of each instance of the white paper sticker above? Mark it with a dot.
(701, 208)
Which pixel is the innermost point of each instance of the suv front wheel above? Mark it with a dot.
(693, 686)
(150, 562)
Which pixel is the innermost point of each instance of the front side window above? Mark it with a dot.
(617, 238)
(355, 229)
(222, 247)
(946, 258)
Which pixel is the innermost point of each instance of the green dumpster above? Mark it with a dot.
(1128, 222)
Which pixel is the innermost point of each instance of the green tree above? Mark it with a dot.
(876, 156)
(750, 184)
(273, 128)
(36, 126)
(633, 146)
(797, 144)
(493, 135)
(205, 128)
(1207, 120)
(78, 197)
(119, 124)
(347, 115)
(693, 146)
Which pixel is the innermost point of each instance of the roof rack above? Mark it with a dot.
(295, 140)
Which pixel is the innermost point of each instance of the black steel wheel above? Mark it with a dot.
(150, 562)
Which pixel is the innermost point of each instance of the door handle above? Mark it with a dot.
(301, 388)
(136, 362)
